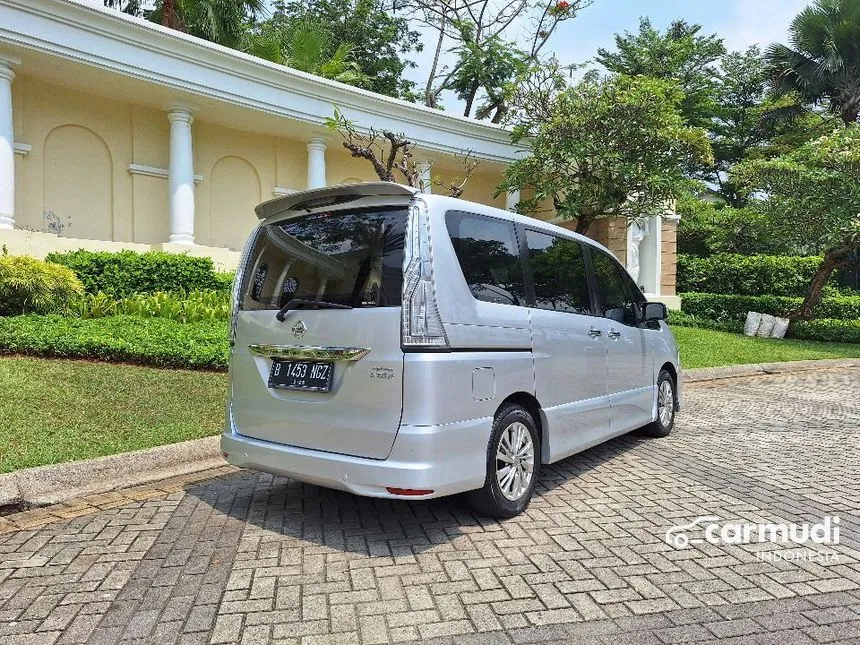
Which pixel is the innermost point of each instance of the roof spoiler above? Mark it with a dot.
(330, 195)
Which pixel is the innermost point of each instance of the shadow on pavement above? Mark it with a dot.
(373, 526)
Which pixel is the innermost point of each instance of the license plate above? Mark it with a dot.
(301, 375)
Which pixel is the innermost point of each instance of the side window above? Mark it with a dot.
(558, 272)
(617, 297)
(489, 257)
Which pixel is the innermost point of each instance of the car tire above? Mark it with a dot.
(667, 405)
(513, 465)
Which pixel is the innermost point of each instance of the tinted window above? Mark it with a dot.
(489, 257)
(353, 258)
(558, 272)
(617, 297)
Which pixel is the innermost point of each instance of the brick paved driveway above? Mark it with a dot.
(243, 557)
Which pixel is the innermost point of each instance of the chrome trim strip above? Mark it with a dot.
(306, 352)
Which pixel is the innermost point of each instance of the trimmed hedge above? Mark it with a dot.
(127, 273)
(717, 306)
(682, 319)
(837, 331)
(748, 275)
(133, 339)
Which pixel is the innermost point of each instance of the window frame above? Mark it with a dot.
(585, 247)
(628, 285)
(518, 245)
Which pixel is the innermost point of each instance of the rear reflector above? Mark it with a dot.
(409, 491)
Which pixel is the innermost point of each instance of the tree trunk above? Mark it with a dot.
(168, 13)
(429, 95)
(473, 91)
(849, 113)
(832, 260)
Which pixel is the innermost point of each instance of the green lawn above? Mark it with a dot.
(709, 348)
(55, 410)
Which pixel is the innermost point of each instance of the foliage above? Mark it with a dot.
(364, 38)
(822, 63)
(812, 196)
(388, 151)
(129, 339)
(305, 46)
(28, 285)
(65, 410)
(604, 145)
(684, 319)
(478, 32)
(127, 273)
(488, 66)
(837, 331)
(710, 226)
(680, 54)
(750, 275)
(708, 348)
(219, 21)
(195, 306)
(719, 306)
(747, 122)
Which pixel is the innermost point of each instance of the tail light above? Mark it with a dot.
(421, 325)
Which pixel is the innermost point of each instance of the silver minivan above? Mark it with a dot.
(397, 344)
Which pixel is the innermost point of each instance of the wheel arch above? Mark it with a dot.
(528, 401)
(673, 372)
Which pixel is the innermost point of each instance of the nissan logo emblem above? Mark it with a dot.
(299, 329)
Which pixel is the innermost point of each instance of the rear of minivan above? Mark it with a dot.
(391, 343)
(334, 288)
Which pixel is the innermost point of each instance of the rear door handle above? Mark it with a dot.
(613, 334)
(594, 332)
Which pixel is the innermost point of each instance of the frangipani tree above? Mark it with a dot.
(606, 146)
(812, 195)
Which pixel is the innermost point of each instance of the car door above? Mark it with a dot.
(629, 365)
(569, 349)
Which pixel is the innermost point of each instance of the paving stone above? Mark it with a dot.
(229, 556)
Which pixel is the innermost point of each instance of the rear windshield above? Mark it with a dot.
(350, 258)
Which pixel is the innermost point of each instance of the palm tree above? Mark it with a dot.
(305, 47)
(219, 21)
(823, 62)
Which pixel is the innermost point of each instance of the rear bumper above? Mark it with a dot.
(446, 459)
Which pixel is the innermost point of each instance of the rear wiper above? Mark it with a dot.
(311, 304)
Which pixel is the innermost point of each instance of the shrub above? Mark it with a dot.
(717, 306)
(195, 306)
(682, 319)
(828, 329)
(127, 272)
(749, 275)
(132, 339)
(28, 285)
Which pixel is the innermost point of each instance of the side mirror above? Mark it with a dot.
(655, 311)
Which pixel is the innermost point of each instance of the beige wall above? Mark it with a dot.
(82, 146)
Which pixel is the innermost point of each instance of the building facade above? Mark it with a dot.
(118, 133)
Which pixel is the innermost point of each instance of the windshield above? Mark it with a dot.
(352, 258)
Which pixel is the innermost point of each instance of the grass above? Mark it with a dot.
(60, 410)
(709, 348)
(55, 410)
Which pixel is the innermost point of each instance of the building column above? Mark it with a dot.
(7, 148)
(316, 163)
(425, 180)
(511, 200)
(180, 174)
